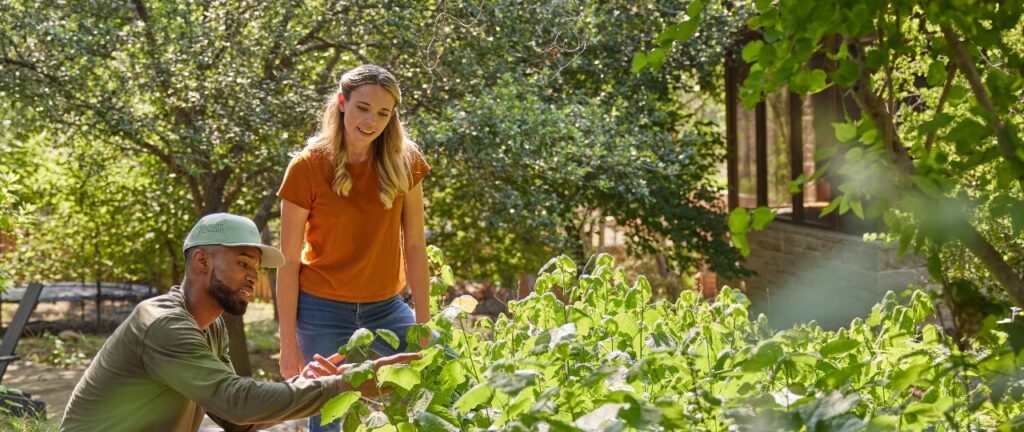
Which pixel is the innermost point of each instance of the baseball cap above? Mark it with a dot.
(232, 230)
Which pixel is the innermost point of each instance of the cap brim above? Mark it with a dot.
(270, 257)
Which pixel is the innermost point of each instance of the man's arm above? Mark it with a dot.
(177, 355)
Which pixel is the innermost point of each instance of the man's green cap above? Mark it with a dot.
(232, 230)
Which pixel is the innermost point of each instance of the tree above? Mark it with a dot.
(210, 93)
(936, 154)
(203, 102)
(541, 141)
(525, 176)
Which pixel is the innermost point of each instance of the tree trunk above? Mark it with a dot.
(967, 233)
(238, 347)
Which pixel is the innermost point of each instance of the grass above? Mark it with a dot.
(17, 424)
(51, 350)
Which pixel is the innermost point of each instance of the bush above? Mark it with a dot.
(610, 358)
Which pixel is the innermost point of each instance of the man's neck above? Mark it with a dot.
(203, 308)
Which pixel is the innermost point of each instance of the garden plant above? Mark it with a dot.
(608, 357)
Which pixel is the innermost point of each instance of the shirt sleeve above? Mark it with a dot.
(177, 355)
(419, 168)
(297, 186)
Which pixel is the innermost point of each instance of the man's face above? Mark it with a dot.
(234, 276)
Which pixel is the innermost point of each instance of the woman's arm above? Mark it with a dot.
(293, 230)
(417, 273)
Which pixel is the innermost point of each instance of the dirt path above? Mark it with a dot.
(46, 383)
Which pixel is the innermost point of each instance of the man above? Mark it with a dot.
(167, 365)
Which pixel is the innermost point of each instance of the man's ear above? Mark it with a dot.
(201, 260)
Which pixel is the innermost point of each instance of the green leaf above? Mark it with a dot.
(566, 265)
(680, 32)
(479, 394)
(766, 354)
(762, 217)
(695, 8)
(855, 205)
(752, 51)
(358, 374)
(362, 338)
(845, 132)
(936, 73)
(447, 277)
(739, 220)
(904, 378)
(402, 376)
(927, 185)
(839, 346)
(940, 121)
(687, 29)
(337, 406)
(957, 93)
(436, 255)
(389, 337)
(833, 405)
(883, 423)
(375, 420)
(415, 333)
(837, 377)
(740, 241)
(846, 74)
(639, 62)
(428, 422)
(818, 81)
(656, 57)
(420, 402)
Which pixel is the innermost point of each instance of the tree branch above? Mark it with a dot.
(876, 110)
(993, 261)
(963, 61)
(950, 74)
(990, 258)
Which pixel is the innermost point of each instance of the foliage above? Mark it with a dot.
(936, 151)
(50, 349)
(97, 213)
(555, 168)
(20, 424)
(165, 111)
(609, 359)
(14, 209)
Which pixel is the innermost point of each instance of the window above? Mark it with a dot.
(774, 144)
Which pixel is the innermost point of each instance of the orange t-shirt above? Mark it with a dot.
(353, 248)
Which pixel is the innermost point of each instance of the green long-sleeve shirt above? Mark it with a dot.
(159, 371)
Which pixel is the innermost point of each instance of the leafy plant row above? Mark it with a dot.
(608, 358)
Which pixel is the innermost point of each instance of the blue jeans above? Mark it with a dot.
(322, 326)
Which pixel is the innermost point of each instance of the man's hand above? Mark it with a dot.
(321, 366)
(324, 366)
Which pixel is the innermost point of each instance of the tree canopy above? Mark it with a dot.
(150, 114)
(936, 152)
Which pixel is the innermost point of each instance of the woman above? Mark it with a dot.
(352, 226)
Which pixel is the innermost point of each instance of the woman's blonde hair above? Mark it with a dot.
(392, 151)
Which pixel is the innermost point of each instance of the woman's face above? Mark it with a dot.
(367, 111)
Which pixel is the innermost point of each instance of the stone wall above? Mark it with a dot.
(806, 273)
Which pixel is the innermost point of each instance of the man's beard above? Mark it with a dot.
(225, 297)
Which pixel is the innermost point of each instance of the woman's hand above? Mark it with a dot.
(290, 362)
